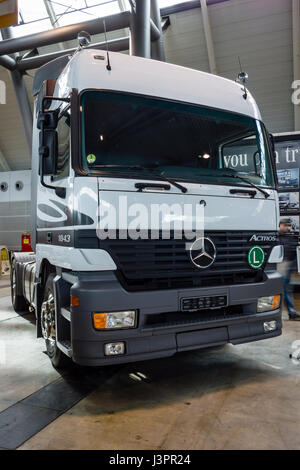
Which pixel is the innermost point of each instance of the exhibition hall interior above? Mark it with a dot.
(149, 227)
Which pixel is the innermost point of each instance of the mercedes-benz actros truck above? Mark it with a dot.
(155, 213)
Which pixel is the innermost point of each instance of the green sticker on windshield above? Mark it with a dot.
(91, 158)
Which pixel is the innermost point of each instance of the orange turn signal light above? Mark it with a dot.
(74, 301)
(276, 301)
(99, 320)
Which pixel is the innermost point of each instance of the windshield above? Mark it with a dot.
(126, 135)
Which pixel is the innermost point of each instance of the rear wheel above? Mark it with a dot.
(18, 301)
(58, 358)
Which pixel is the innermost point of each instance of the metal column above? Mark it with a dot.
(21, 95)
(157, 47)
(140, 29)
(53, 19)
(208, 38)
(3, 163)
(7, 62)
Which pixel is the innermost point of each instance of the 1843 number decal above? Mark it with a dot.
(64, 238)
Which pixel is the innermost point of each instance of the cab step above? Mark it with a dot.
(65, 347)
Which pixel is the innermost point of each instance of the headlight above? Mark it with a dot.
(114, 320)
(265, 304)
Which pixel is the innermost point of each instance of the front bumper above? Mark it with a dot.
(103, 292)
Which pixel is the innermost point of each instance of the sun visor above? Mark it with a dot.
(49, 71)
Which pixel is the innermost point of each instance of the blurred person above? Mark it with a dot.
(288, 266)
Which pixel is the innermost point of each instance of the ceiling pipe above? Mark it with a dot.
(8, 62)
(155, 34)
(115, 45)
(3, 163)
(64, 33)
(53, 19)
(67, 33)
(21, 93)
(140, 29)
(157, 46)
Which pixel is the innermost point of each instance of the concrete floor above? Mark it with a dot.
(238, 397)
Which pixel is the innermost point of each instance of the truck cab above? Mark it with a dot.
(155, 213)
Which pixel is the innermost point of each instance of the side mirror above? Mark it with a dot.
(48, 148)
(48, 151)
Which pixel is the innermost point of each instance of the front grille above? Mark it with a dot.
(172, 319)
(166, 264)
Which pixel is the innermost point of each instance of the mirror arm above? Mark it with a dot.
(43, 150)
(273, 159)
(53, 98)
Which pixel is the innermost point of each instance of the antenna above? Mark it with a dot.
(243, 78)
(107, 52)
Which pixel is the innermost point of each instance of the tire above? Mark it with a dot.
(18, 301)
(58, 359)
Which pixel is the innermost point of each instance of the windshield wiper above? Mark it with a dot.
(234, 175)
(144, 168)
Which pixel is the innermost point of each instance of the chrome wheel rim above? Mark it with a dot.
(48, 320)
(13, 284)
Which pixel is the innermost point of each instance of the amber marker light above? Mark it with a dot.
(99, 320)
(276, 302)
(74, 301)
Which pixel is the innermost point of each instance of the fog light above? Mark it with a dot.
(113, 349)
(114, 320)
(264, 304)
(270, 326)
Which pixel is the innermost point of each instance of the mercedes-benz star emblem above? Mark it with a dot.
(203, 252)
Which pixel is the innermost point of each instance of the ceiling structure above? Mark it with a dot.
(41, 15)
(260, 32)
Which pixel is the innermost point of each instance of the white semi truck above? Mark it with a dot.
(111, 141)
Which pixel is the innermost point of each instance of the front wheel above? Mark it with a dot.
(58, 358)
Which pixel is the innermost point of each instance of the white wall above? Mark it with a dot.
(260, 32)
(14, 207)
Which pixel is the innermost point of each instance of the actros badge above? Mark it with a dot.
(203, 252)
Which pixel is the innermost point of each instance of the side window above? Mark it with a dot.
(241, 155)
(63, 137)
